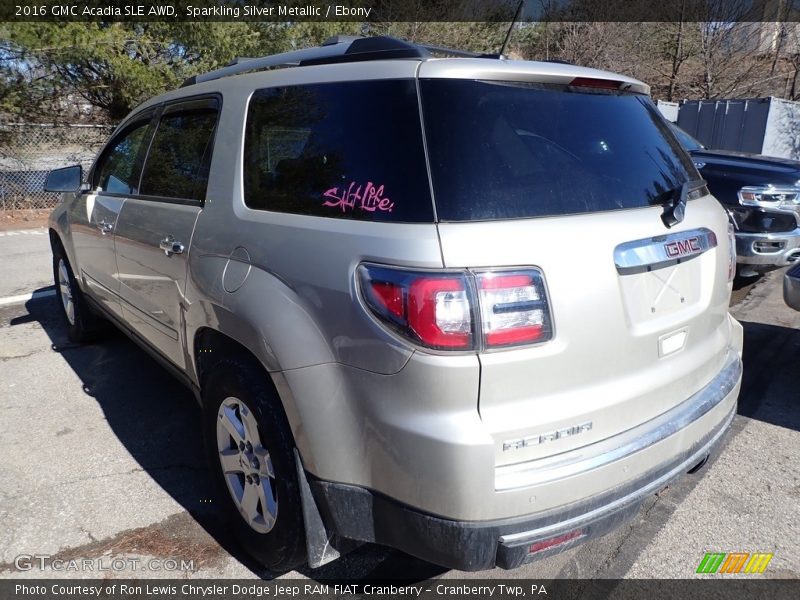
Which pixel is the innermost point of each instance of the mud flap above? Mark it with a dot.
(322, 546)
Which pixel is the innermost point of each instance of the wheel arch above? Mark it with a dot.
(265, 320)
(56, 243)
(211, 346)
(59, 234)
(55, 239)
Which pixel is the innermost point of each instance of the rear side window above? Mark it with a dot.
(116, 170)
(179, 157)
(502, 150)
(348, 150)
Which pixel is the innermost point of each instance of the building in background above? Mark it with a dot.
(769, 126)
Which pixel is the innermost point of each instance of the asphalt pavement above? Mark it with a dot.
(25, 262)
(101, 458)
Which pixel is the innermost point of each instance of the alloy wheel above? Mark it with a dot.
(246, 465)
(65, 291)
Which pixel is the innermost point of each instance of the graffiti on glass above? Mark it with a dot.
(368, 197)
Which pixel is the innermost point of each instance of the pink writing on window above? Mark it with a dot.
(364, 197)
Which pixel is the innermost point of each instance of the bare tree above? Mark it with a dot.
(792, 58)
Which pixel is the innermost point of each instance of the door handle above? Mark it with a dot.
(170, 246)
(105, 227)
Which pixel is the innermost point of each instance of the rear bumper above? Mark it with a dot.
(768, 249)
(357, 513)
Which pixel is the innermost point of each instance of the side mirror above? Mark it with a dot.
(791, 287)
(67, 179)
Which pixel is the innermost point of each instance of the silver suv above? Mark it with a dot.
(471, 308)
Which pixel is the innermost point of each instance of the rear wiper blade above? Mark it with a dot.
(675, 201)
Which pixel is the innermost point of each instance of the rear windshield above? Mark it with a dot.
(501, 150)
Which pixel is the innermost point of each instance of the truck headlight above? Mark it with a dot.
(770, 195)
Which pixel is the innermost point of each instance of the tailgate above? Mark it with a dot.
(629, 342)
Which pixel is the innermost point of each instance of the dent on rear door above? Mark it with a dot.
(152, 282)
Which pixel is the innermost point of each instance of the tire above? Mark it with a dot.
(243, 419)
(82, 324)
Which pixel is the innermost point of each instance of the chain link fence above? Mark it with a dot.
(28, 152)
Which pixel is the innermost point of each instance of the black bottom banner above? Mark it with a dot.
(457, 589)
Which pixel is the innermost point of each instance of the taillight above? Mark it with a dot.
(459, 310)
(513, 308)
(439, 312)
(433, 309)
(390, 296)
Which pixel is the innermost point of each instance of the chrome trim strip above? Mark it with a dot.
(746, 253)
(605, 452)
(621, 503)
(663, 250)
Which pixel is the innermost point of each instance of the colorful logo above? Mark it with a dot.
(734, 562)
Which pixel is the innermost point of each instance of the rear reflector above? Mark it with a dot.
(556, 541)
(447, 310)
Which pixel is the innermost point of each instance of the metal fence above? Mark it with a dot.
(28, 152)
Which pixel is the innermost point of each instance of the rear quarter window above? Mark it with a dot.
(350, 150)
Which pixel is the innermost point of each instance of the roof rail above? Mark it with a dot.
(451, 51)
(339, 48)
(372, 48)
(238, 60)
(334, 46)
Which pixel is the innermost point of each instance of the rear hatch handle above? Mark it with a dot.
(661, 251)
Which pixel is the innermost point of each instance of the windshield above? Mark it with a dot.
(501, 150)
(685, 139)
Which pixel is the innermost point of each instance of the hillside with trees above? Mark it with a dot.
(97, 72)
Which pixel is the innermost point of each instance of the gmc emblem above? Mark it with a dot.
(683, 247)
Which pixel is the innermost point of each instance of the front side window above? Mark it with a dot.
(179, 157)
(350, 150)
(507, 150)
(116, 171)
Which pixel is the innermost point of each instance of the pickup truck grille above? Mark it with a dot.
(755, 220)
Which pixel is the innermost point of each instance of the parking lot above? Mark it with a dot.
(100, 456)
